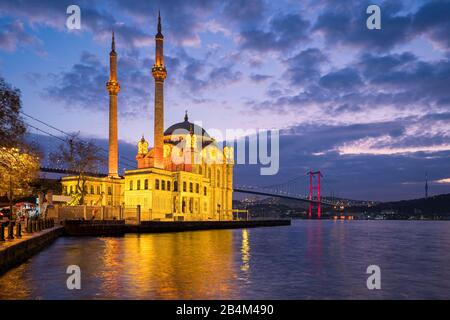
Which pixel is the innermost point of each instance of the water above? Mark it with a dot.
(308, 260)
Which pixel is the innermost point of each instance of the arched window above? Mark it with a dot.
(184, 186)
(110, 191)
(146, 184)
(175, 186)
(138, 185)
(191, 187)
(197, 188)
(157, 184)
(209, 173)
(168, 185)
(131, 184)
(163, 185)
(92, 189)
(98, 190)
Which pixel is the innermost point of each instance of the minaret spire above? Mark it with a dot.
(113, 43)
(159, 21)
(159, 74)
(113, 88)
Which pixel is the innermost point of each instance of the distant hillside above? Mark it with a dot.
(439, 204)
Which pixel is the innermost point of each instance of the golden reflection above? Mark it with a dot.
(184, 265)
(179, 265)
(245, 251)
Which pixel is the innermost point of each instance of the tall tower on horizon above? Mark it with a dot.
(113, 88)
(159, 74)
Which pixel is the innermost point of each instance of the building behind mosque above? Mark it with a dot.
(185, 176)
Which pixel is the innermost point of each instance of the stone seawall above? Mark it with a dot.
(19, 250)
(119, 228)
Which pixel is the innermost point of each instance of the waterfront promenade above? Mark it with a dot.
(25, 244)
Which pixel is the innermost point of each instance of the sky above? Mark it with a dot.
(369, 108)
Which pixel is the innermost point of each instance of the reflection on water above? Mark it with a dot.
(310, 259)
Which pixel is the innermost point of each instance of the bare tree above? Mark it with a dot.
(81, 157)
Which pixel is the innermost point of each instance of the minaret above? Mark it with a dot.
(159, 73)
(113, 88)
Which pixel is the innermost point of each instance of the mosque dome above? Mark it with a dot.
(186, 126)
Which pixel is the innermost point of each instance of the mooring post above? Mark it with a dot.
(19, 230)
(10, 230)
(2, 232)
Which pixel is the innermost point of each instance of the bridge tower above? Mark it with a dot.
(315, 200)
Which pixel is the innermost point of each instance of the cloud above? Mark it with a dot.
(13, 35)
(284, 31)
(346, 79)
(260, 77)
(433, 21)
(84, 85)
(345, 24)
(305, 66)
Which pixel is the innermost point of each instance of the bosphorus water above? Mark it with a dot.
(311, 259)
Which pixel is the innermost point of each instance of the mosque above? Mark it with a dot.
(185, 176)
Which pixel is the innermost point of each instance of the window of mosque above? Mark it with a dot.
(98, 190)
(71, 189)
(190, 205)
(204, 191)
(146, 184)
(138, 185)
(168, 185)
(163, 184)
(92, 189)
(109, 190)
(65, 189)
(183, 206)
(175, 186)
(209, 173)
(218, 178)
(131, 184)
(184, 186)
(191, 187)
(197, 188)
(157, 184)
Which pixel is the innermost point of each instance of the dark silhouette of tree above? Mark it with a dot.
(12, 126)
(80, 156)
